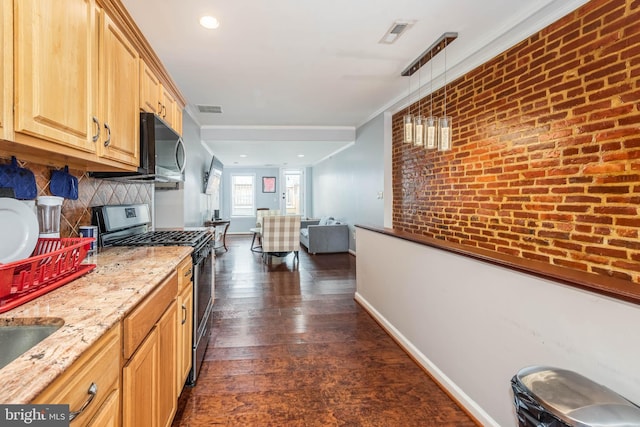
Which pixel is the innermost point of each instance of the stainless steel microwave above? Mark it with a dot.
(162, 154)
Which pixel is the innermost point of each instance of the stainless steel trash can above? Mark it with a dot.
(552, 397)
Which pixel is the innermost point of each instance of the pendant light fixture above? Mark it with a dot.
(445, 127)
(431, 122)
(408, 119)
(435, 133)
(418, 121)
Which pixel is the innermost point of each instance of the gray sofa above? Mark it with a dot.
(324, 236)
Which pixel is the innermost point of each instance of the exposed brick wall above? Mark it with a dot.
(546, 149)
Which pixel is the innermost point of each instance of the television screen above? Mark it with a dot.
(212, 185)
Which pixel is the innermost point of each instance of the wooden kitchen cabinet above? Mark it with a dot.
(140, 385)
(6, 72)
(119, 80)
(144, 317)
(55, 87)
(151, 356)
(97, 367)
(185, 322)
(185, 335)
(185, 273)
(150, 100)
(168, 107)
(75, 84)
(149, 387)
(177, 119)
(156, 98)
(168, 366)
(70, 84)
(109, 413)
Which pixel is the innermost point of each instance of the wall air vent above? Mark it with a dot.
(395, 31)
(210, 109)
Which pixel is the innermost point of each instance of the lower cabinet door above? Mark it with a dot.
(109, 413)
(140, 384)
(167, 364)
(185, 335)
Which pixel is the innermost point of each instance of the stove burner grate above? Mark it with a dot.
(166, 238)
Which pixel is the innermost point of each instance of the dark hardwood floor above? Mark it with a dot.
(291, 347)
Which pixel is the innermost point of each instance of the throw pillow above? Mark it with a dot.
(324, 219)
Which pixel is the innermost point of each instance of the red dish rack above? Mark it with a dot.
(53, 263)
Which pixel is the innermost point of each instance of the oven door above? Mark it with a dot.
(202, 287)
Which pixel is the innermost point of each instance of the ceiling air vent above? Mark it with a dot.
(395, 31)
(210, 109)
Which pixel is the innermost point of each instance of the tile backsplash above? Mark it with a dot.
(91, 192)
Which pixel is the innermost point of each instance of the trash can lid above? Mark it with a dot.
(577, 400)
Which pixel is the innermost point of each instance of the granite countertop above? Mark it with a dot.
(89, 306)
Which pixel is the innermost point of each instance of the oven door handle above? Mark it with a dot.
(202, 254)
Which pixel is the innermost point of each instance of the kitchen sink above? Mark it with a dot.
(19, 335)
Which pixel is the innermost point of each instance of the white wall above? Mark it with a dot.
(346, 185)
(188, 206)
(263, 200)
(473, 325)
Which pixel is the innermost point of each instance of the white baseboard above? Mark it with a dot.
(452, 388)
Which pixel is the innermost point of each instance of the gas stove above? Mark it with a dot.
(129, 225)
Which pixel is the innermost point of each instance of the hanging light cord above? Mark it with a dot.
(409, 97)
(431, 85)
(445, 77)
(419, 92)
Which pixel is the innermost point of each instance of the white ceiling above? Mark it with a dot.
(299, 76)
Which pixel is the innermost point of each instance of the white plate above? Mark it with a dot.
(18, 230)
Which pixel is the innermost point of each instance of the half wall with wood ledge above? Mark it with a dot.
(472, 320)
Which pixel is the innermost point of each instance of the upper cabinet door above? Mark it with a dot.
(177, 119)
(54, 47)
(119, 93)
(168, 107)
(6, 72)
(149, 90)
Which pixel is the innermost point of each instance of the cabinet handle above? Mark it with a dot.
(184, 314)
(93, 390)
(159, 107)
(108, 141)
(164, 111)
(188, 272)
(97, 135)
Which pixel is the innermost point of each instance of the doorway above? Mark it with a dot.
(292, 198)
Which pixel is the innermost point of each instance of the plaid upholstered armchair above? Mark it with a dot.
(257, 231)
(280, 235)
(261, 213)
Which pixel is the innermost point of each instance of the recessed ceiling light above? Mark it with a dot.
(209, 22)
(243, 155)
